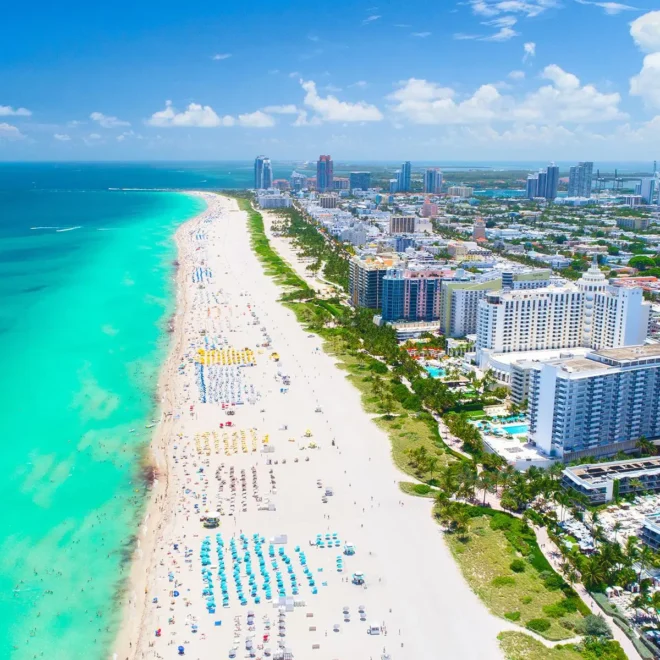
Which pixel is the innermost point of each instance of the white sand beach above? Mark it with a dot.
(300, 459)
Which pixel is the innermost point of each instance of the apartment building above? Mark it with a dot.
(596, 405)
(402, 224)
(412, 294)
(365, 279)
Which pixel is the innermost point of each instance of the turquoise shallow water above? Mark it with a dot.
(83, 317)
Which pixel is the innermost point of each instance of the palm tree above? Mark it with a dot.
(617, 527)
(593, 573)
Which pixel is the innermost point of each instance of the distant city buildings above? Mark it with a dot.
(479, 230)
(328, 201)
(402, 224)
(646, 189)
(580, 179)
(403, 182)
(633, 223)
(298, 181)
(544, 183)
(263, 173)
(433, 181)
(365, 280)
(324, 174)
(340, 183)
(273, 200)
(359, 180)
(460, 191)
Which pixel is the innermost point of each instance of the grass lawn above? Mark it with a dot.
(418, 490)
(485, 558)
(518, 646)
(406, 432)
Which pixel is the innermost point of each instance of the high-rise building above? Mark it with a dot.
(544, 183)
(580, 179)
(365, 280)
(432, 181)
(324, 174)
(360, 180)
(411, 295)
(595, 405)
(263, 173)
(403, 177)
(588, 314)
(298, 181)
(552, 182)
(402, 224)
(340, 183)
(646, 188)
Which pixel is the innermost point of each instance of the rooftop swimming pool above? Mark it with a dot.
(435, 372)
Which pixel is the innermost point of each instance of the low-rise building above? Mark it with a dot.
(603, 482)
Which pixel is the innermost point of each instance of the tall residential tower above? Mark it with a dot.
(324, 174)
(263, 173)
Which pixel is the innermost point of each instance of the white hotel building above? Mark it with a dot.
(596, 405)
(588, 314)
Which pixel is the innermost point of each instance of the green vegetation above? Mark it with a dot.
(518, 646)
(419, 490)
(486, 551)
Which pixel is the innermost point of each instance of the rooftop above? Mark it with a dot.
(631, 353)
(599, 472)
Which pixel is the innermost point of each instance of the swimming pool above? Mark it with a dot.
(515, 429)
(435, 372)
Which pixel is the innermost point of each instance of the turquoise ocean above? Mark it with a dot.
(86, 292)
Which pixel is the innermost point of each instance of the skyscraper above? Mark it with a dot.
(544, 183)
(532, 186)
(552, 182)
(403, 177)
(433, 181)
(647, 189)
(359, 180)
(579, 179)
(263, 173)
(324, 173)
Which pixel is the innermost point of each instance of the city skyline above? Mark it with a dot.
(201, 90)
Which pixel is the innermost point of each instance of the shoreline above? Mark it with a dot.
(365, 503)
(133, 607)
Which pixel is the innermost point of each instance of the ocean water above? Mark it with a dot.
(86, 291)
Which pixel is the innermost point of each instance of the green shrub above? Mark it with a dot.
(595, 626)
(512, 616)
(526, 600)
(517, 566)
(554, 611)
(503, 581)
(539, 625)
(553, 582)
(501, 521)
(422, 489)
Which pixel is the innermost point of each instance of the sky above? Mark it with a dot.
(373, 80)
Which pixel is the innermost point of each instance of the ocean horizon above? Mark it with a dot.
(86, 294)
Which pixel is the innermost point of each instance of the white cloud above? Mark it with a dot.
(503, 34)
(370, 19)
(564, 100)
(359, 83)
(647, 82)
(461, 36)
(330, 108)
(107, 122)
(9, 132)
(257, 119)
(280, 109)
(567, 100)
(529, 8)
(610, 8)
(529, 49)
(517, 75)
(194, 116)
(645, 30)
(421, 35)
(221, 56)
(423, 102)
(8, 111)
(62, 137)
(294, 74)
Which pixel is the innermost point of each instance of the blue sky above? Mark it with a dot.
(476, 79)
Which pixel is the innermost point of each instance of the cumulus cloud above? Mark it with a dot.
(529, 8)
(645, 30)
(194, 116)
(8, 111)
(9, 132)
(106, 121)
(529, 50)
(503, 34)
(62, 137)
(517, 75)
(564, 100)
(257, 119)
(331, 109)
(646, 83)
